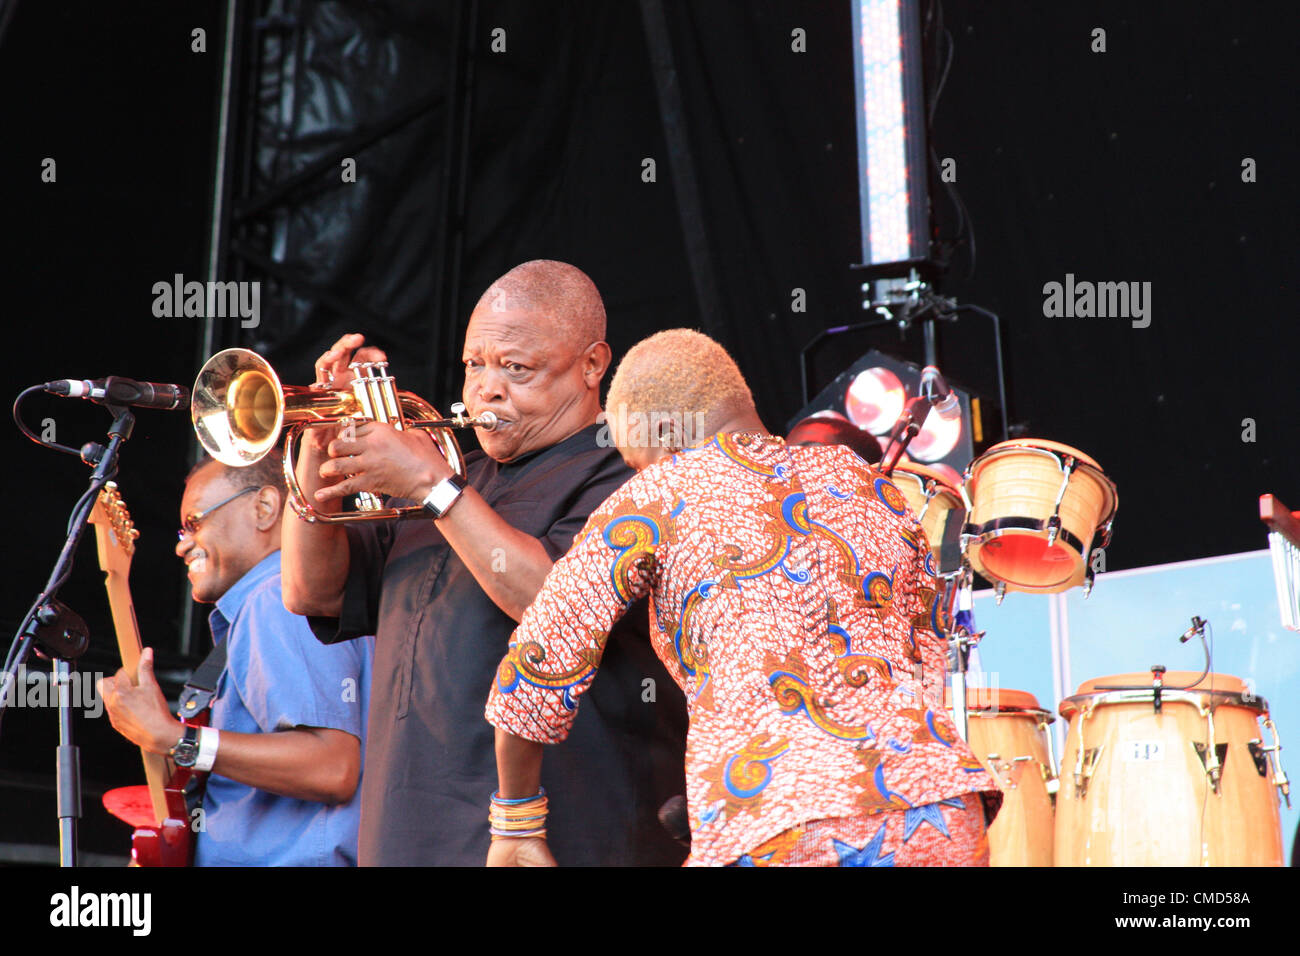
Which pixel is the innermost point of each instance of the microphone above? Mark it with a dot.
(942, 398)
(116, 390)
(1198, 625)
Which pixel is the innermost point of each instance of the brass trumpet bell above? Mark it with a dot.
(239, 408)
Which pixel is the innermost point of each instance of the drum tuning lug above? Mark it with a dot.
(1087, 583)
(1275, 756)
(1212, 760)
(1051, 782)
(1258, 754)
(1009, 769)
(1000, 589)
(1053, 529)
(1085, 768)
(1157, 684)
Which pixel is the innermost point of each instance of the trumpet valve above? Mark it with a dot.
(487, 421)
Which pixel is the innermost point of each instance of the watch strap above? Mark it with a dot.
(209, 739)
(444, 494)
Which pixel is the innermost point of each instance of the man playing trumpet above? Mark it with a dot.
(443, 594)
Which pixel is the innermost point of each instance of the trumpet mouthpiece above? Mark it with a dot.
(487, 421)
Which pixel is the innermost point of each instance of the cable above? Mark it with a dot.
(965, 230)
(22, 427)
(77, 519)
(1209, 656)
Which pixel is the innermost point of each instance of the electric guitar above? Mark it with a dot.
(169, 841)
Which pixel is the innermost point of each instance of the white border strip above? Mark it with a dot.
(1059, 685)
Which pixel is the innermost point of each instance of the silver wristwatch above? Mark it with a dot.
(444, 494)
(186, 751)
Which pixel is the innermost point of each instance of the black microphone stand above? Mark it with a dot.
(905, 429)
(62, 636)
(960, 641)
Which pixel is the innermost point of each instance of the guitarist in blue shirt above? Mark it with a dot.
(284, 743)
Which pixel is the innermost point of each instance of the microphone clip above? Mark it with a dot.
(1196, 630)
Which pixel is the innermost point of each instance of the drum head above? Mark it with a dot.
(1224, 688)
(995, 698)
(1025, 560)
(1043, 443)
(934, 474)
(1221, 683)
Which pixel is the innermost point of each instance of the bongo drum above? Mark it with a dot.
(1182, 779)
(1008, 733)
(934, 500)
(1035, 507)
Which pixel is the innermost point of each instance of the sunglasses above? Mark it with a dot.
(191, 523)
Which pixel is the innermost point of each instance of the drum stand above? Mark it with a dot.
(957, 592)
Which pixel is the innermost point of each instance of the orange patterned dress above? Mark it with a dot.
(795, 606)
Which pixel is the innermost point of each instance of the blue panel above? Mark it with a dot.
(1016, 651)
(1134, 619)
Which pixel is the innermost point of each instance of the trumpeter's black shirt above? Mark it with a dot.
(430, 754)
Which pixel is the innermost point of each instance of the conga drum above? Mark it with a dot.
(1035, 507)
(934, 500)
(1185, 780)
(1008, 733)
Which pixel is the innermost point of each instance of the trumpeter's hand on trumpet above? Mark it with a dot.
(376, 457)
(332, 371)
(369, 456)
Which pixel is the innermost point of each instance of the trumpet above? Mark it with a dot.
(239, 409)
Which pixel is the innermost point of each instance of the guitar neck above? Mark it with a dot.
(129, 645)
(114, 559)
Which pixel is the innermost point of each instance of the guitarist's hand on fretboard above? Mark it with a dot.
(139, 711)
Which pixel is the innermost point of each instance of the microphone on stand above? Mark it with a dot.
(1198, 625)
(116, 390)
(942, 398)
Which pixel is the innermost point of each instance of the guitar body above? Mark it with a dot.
(170, 842)
(167, 844)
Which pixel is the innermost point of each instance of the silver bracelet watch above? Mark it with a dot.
(444, 494)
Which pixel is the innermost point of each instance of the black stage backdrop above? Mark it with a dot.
(1116, 166)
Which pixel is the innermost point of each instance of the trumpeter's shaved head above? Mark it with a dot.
(557, 290)
(534, 355)
(682, 376)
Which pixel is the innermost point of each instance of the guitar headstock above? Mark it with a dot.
(115, 530)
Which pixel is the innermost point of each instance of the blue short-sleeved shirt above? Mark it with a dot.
(277, 677)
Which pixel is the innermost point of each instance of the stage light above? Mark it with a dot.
(936, 439)
(892, 153)
(874, 400)
(872, 394)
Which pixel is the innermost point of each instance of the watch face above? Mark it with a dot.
(443, 495)
(186, 751)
